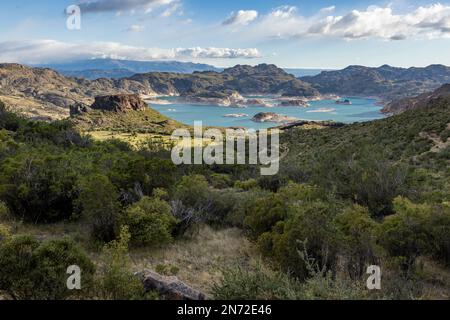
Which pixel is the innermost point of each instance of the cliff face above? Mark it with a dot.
(420, 101)
(386, 82)
(119, 103)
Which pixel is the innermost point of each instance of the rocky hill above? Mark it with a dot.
(420, 101)
(44, 93)
(125, 113)
(386, 82)
(261, 79)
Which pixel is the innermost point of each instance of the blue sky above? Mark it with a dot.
(308, 34)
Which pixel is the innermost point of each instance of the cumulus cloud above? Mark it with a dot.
(375, 22)
(44, 51)
(241, 17)
(97, 6)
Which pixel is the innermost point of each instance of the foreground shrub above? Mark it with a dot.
(416, 229)
(255, 284)
(192, 191)
(33, 270)
(150, 222)
(357, 239)
(98, 204)
(115, 280)
(38, 186)
(310, 228)
(404, 235)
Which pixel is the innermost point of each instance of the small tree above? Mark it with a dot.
(99, 205)
(404, 234)
(357, 238)
(30, 270)
(116, 281)
(150, 222)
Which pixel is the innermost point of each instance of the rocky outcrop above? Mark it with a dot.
(119, 103)
(272, 117)
(344, 102)
(294, 103)
(170, 287)
(78, 109)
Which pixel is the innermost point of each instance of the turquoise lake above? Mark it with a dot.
(211, 115)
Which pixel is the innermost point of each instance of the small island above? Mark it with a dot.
(346, 102)
(272, 117)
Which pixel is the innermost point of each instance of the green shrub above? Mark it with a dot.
(5, 233)
(266, 213)
(325, 286)
(310, 228)
(257, 283)
(38, 186)
(357, 238)
(220, 180)
(192, 191)
(247, 184)
(33, 270)
(98, 204)
(438, 227)
(404, 235)
(4, 212)
(150, 222)
(115, 280)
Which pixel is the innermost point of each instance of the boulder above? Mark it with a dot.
(170, 287)
(78, 109)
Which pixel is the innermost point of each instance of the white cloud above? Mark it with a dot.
(328, 9)
(283, 12)
(97, 6)
(215, 53)
(241, 17)
(175, 7)
(44, 51)
(432, 21)
(135, 28)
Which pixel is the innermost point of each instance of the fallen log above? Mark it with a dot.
(170, 287)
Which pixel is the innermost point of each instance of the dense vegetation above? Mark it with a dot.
(345, 198)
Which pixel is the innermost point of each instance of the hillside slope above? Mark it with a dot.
(420, 101)
(44, 93)
(387, 82)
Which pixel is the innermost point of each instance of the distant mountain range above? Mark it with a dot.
(93, 69)
(45, 93)
(301, 72)
(386, 82)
